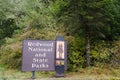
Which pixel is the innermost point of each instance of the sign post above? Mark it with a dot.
(33, 74)
(60, 56)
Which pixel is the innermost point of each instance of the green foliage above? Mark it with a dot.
(7, 28)
(13, 60)
(115, 54)
(35, 23)
(46, 19)
(76, 58)
(106, 53)
(92, 20)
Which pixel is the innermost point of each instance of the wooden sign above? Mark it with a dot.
(38, 55)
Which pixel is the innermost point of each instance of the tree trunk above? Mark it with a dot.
(87, 33)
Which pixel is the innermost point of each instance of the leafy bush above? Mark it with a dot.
(11, 55)
(106, 53)
(76, 58)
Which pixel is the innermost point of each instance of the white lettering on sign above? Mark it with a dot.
(40, 49)
(40, 44)
(40, 54)
(40, 65)
(41, 60)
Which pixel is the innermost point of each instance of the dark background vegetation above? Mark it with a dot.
(90, 27)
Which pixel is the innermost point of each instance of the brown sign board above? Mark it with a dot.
(38, 55)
